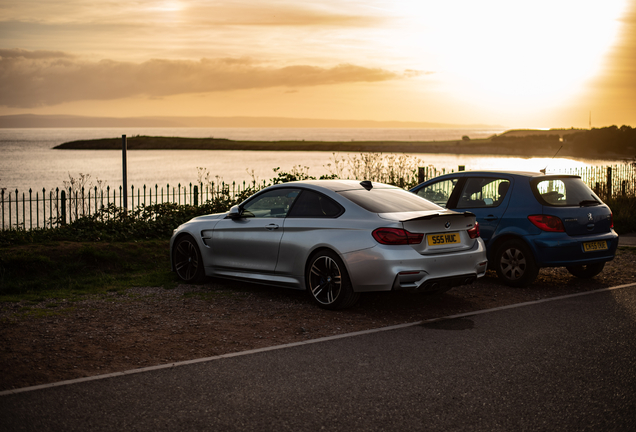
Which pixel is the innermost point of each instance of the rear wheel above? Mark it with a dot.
(328, 282)
(187, 260)
(586, 271)
(515, 264)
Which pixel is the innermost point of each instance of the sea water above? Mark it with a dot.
(28, 160)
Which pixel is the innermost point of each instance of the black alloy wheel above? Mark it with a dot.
(328, 282)
(187, 260)
(515, 264)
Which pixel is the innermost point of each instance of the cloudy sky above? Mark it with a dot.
(539, 63)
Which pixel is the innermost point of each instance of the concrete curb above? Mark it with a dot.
(627, 240)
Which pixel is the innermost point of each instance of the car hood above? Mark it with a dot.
(209, 217)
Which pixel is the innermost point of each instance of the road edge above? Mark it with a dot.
(311, 341)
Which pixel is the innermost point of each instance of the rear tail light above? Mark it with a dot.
(474, 231)
(611, 220)
(396, 236)
(547, 223)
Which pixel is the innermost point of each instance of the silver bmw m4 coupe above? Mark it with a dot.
(335, 239)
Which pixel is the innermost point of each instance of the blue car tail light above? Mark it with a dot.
(547, 223)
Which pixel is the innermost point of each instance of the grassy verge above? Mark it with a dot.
(69, 270)
(624, 212)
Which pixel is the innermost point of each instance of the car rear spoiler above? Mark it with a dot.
(451, 214)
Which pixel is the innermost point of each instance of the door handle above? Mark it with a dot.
(490, 218)
(271, 227)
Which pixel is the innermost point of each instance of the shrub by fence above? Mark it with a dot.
(61, 206)
(55, 208)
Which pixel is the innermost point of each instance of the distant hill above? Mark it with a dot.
(53, 121)
(609, 142)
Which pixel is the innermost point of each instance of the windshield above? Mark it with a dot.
(388, 200)
(564, 191)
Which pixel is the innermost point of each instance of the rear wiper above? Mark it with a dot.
(591, 202)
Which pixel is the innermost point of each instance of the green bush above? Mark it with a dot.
(624, 211)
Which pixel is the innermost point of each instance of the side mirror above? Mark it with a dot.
(234, 213)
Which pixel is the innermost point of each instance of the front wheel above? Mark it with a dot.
(586, 271)
(515, 264)
(328, 282)
(187, 260)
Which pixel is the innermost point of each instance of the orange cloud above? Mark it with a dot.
(278, 14)
(44, 78)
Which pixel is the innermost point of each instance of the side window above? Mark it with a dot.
(439, 192)
(275, 203)
(312, 204)
(483, 192)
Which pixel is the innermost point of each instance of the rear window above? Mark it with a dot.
(388, 200)
(564, 191)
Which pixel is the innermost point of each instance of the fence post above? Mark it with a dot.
(63, 206)
(124, 149)
(420, 175)
(609, 182)
(30, 210)
(196, 195)
(23, 213)
(2, 194)
(17, 209)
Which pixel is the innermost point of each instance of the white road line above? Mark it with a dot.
(294, 344)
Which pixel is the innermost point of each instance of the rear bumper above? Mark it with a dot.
(559, 249)
(431, 285)
(384, 268)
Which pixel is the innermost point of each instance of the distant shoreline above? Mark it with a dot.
(470, 147)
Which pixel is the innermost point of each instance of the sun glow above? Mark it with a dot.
(512, 52)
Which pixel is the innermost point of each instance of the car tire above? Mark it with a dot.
(328, 283)
(515, 264)
(187, 261)
(586, 271)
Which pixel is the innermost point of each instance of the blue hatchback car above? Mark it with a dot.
(531, 220)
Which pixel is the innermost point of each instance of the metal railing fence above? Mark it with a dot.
(54, 208)
(59, 206)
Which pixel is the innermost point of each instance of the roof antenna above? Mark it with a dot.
(546, 167)
(366, 184)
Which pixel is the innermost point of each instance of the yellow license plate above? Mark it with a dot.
(442, 239)
(595, 246)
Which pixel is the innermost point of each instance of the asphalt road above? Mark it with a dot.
(561, 365)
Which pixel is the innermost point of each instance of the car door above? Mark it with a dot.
(251, 242)
(312, 220)
(487, 198)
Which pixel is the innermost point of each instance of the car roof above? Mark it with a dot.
(338, 185)
(530, 174)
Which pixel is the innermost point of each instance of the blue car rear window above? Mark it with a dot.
(388, 200)
(564, 191)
